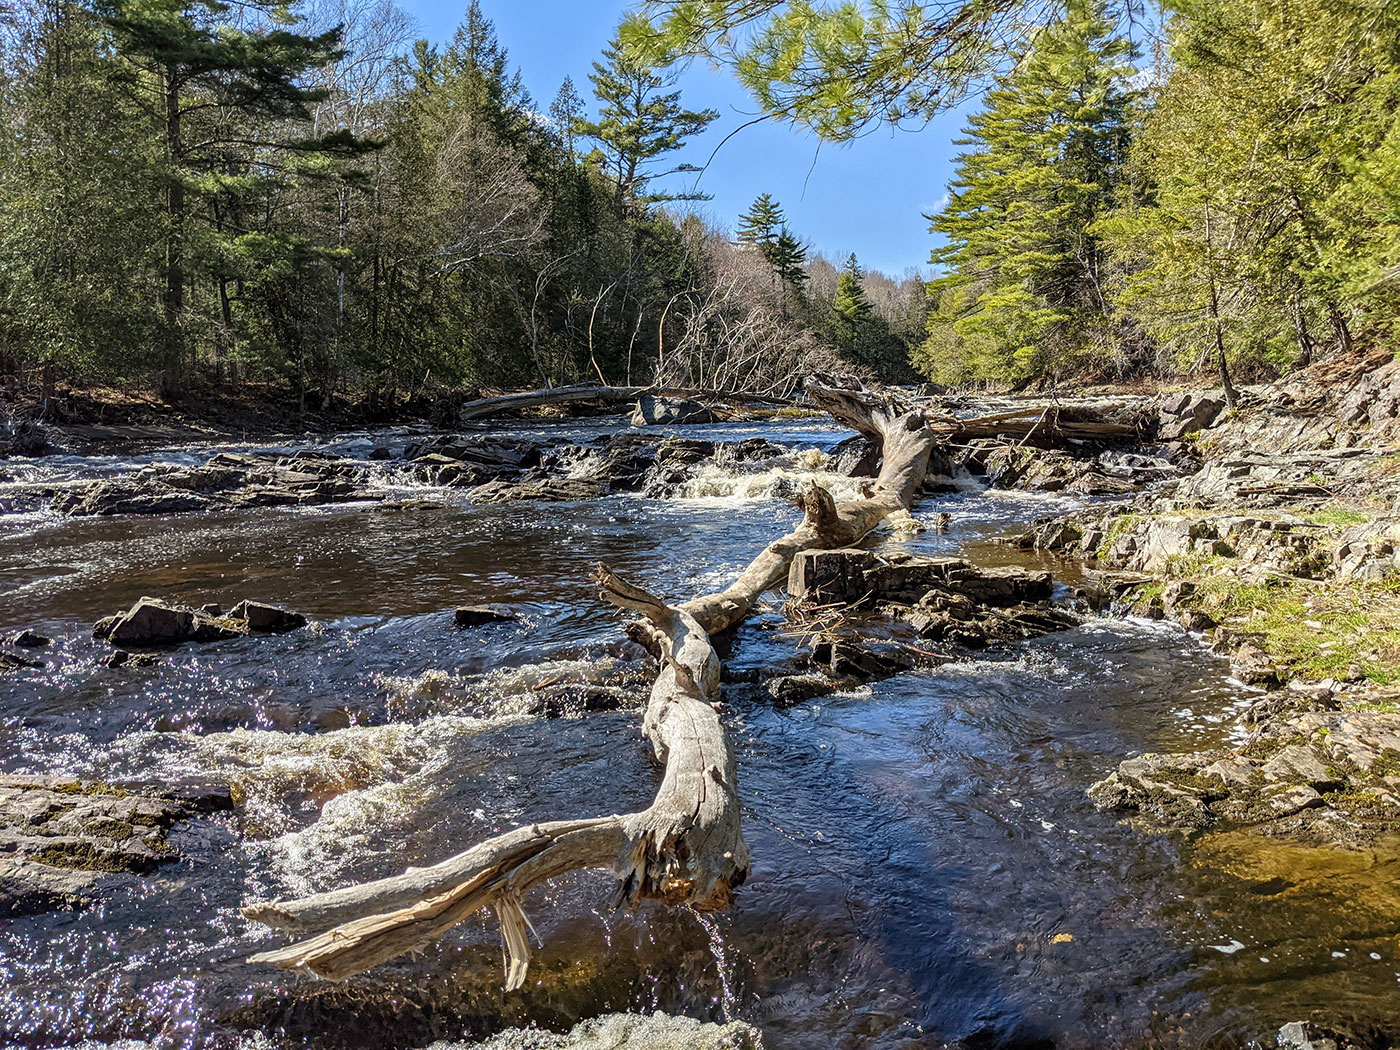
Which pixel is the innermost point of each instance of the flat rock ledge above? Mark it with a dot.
(63, 839)
(1317, 763)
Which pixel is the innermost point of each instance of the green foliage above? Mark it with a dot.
(762, 222)
(1267, 225)
(638, 122)
(1020, 296)
(836, 68)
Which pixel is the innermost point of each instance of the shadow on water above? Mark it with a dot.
(927, 866)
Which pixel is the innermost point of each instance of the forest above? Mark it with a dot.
(216, 194)
(307, 197)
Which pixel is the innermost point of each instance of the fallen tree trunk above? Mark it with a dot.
(687, 847)
(563, 395)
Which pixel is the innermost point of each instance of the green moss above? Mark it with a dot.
(88, 788)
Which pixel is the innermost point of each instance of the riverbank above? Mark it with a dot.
(1282, 550)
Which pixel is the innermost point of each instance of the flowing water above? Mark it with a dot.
(926, 866)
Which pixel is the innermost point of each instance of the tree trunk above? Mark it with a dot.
(687, 846)
(174, 297)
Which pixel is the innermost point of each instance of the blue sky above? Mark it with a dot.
(867, 197)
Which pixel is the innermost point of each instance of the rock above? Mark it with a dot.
(121, 658)
(27, 639)
(1288, 799)
(265, 619)
(61, 837)
(213, 609)
(27, 888)
(14, 662)
(561, 701)
(380, 453)
(555, 490)
(477, 615)
(1296, 1036)
(1253, 666)
(856, 457)
(1300, 764)
(1187, 414)
(791, 689)
(626, 1032)
(849, 659)
(1234, 771)
(151, 621)
(651, 411)
(684, 451)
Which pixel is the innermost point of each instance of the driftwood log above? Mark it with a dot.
(687, 847)
(611, 395)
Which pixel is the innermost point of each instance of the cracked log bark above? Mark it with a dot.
(687, 847)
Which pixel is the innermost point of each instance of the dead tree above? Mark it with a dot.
(687, 847)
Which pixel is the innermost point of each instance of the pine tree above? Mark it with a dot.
(850, 309)
(1023, 270)
(229, 104)
(789, 258)
(639, 121)
(566, 111)
(762, 222)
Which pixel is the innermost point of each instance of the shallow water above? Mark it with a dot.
(927, 867)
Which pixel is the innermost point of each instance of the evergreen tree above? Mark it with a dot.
(1269, 164)
(639, 121)
(851, 307)
(1022, 267)
(566, 111)
(789, 258)
(77, 184)
(228, 106)
(762, 222)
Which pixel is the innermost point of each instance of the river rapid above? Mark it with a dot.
(927, 868)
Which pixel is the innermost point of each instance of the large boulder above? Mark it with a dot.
(653, 411)
(151, 621)
(1188, 413)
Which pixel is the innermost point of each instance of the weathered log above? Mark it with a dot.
(687, 847)
(563, 395)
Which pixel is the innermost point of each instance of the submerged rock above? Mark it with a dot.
(27, 639)
(15, 662)
(477, 615)
(552, 490)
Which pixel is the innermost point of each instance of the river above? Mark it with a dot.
(926, 865)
